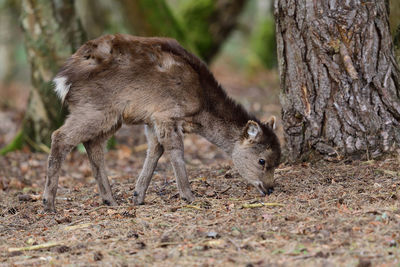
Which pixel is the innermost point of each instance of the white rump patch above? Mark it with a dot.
(166, 63)
(62, 87)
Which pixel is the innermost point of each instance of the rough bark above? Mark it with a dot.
(52, 32)
(339, 78)
(210, 22)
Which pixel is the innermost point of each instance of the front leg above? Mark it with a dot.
(178, 164)
(154, 152)
(171, 137)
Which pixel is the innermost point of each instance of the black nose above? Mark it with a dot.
(270, 191)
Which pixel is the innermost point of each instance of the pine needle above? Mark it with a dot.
(192, 207)
(259, 205)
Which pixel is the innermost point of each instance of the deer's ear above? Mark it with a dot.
(252, 131)
(271, 123)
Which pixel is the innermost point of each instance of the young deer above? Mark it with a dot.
(119, 79)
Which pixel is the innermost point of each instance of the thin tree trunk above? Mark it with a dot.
(394, 20)
(153, 18)
(203, 25)
(99, 17)
(339, 78)
(394, 15)
(52, 32)
(8, 38)
(396, 41)
(210, 22)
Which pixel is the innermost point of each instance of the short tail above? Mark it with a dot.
(61, 87)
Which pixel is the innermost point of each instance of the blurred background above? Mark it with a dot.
(236, 38)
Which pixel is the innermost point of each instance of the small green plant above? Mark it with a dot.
(263, 44)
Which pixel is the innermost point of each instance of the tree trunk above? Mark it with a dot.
(210, 22)
(52, 33)
(339, 78)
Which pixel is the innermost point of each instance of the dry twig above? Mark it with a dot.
(35, 247)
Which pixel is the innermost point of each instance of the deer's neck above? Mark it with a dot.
(223, 120)
(219, 132)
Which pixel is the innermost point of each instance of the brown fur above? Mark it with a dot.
(119, 79)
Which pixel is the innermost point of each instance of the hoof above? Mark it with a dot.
(189, 198)
(270, 191)
(48, 207)
(49, 210)
(110, 202)
(137, 201)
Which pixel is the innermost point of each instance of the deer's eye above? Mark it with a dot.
(261, 161)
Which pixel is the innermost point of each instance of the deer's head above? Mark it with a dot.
(257, 154)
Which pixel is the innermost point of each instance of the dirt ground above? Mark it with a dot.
(321, 214)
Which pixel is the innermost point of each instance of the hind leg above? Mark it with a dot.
(154, 152)
(77, 129)
(59, 150)
(95, 150)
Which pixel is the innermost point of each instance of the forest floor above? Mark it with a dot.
(321, 214)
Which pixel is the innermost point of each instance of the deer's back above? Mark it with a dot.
(138, 78)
